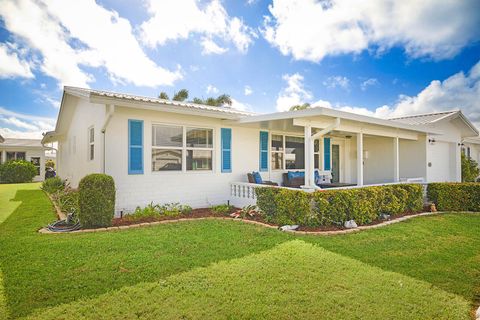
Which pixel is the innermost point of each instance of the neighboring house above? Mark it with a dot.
(168, 151)
(24, 149)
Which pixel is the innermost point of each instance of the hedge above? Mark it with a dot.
(334, 207)
(96, 200)
(454, 196)
(17, 171)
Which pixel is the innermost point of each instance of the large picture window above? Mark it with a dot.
(14, 155)
(287, 152)
(177, 148)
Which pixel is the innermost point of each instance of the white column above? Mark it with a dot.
(396, 160)
(360, 159)
(458, 162)
(308, 165)
(4, 156)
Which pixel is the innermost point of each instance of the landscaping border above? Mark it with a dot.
(331, 232)
(60, 214)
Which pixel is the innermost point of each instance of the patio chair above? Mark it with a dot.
(251, 179)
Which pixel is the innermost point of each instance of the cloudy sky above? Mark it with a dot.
(380, 57)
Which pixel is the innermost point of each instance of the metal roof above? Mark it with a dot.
(11, 142)
(427, 118)
(188, 105)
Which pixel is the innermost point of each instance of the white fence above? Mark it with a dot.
(243, 193)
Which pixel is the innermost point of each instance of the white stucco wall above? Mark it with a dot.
(379, 167)
(413, 158)
(72, 156)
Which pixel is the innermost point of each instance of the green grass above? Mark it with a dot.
(293, 280)
(42, 271)
(7, 192)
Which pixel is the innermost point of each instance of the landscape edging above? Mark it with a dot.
(331, 232)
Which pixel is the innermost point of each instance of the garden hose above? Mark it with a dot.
(63, 226)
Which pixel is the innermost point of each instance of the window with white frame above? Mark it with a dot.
(15, 155)
(36, 162)
(180, 148)
(287, 152)
(316, 153)
(91, 143)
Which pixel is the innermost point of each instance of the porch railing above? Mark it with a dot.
(243, 193)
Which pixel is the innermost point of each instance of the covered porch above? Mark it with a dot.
(331, 148)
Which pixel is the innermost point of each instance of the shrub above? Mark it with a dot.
(455, 196)
(50, 164)
(17, 171)
(96, 200)
(222, 209)
(470, 169)
(67, 200)
(52, 185)
(156, 211)
(334, 207)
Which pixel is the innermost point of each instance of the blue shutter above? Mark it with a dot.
(135, 146)
(326, 153)
(226, 137)
(263, 151)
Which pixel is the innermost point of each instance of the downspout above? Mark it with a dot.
(111, 110)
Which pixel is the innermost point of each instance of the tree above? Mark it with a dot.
(163, 95)
(470, 169)
(181, 95)
(300, 107)
(221, 100)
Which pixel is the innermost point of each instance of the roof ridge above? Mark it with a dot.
(425, 114)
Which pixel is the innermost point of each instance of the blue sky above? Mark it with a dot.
(382, 60)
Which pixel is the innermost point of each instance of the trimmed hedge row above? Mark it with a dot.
(455, 196)
(17, 171)
(334, 207)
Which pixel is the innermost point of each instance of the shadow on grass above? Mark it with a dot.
(45, 270)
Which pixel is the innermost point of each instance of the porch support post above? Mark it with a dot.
(4, 156)
(360, 159)
(396, 160)
(309, 172)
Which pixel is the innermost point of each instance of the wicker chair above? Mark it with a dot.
(251, 179)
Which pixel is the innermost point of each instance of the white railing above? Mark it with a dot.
(243, 193)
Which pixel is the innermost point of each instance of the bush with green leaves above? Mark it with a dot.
(451, 196)
(17, 171)
(222, 209)
(470, 169)
(157, 211)
(96, 200)
(334, 207)
(52, 185)
(67, 201)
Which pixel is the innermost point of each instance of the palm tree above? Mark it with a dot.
(181, 95)
(163, 95)
(300, 107)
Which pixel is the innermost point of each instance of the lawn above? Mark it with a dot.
(7, 192)
(425, 268)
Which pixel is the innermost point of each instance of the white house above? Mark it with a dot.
(24, 149)
(167, 151)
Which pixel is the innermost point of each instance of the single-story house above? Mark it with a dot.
(24, 149)
(168, 151)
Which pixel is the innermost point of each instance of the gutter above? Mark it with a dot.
(111, 110)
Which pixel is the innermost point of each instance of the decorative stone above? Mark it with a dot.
(384, 216)
(289, 227)
(350, 224)
(477, 314)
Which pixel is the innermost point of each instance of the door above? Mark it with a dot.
(335, 163)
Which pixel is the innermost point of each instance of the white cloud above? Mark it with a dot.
(429, 28)
(68, 35)
(179, 19)
(247, 90)
(337, 81)
(22, 125)
(294, 94)
(240, 105)
(12, 66)
(368, 83)
(210, 47)
(211, 89)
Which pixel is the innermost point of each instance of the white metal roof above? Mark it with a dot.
(30, 143)
(130, 97)
(426, 118)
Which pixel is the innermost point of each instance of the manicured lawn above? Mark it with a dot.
(237, 270)
(7, 192)
(294, 280)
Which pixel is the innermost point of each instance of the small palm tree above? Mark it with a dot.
(300, 107)
(163, 95)
(181, 95)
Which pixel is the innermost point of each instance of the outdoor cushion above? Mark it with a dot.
(257, 177)
(295, 174)
(317, 177)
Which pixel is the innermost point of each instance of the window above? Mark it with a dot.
(316, 153)
(172, 146)
(91, 143)
(36, 162)
(287, 152)
(14, 155)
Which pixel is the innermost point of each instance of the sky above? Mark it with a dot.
(381, 58)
